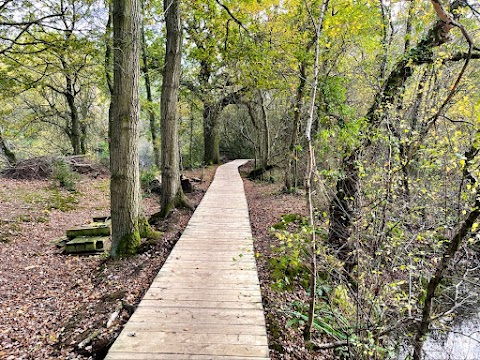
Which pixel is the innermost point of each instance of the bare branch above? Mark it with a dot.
(232, 16)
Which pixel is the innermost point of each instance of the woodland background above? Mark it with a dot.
(370, 107)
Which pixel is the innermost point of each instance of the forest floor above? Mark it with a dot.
(51, 303)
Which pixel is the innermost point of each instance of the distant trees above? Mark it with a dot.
(53, 69)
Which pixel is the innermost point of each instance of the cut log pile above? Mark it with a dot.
(87, 239)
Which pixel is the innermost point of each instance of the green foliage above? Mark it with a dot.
(288, 266)
(102, 153)
(147, 176)
(326, 321)
(58, 200)
(62, 173)
(52, 199)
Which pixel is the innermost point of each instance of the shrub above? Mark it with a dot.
(64, 175)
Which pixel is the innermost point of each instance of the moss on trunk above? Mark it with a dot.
(128, 244)
(147, 232)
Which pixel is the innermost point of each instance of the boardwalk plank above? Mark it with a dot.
(196, 349)
(146, 325)
(157, 356)
(201, 304)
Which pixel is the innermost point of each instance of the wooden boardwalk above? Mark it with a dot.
(205, 302)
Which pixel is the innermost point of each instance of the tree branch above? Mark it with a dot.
(232, 16)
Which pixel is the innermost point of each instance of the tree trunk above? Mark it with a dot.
(258, 115)
(310, 176)
(151, 112)
(108, 49)
(211, 130)
(408, 27)
(123, 129)
(211, 133)
(265, 134)
(297, 113)
(172, 194)
(83, 138)
(9, 154)
(75, 123)
(386, 36)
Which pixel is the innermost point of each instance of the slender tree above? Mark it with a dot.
(123, 128)
(311, 169)
(172, 193)
(150, 110)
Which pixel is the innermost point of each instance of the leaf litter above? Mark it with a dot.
(54, 306)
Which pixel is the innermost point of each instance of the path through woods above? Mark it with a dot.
(205, 302)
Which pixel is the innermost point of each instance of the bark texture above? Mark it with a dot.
(172, 194)
(258, 114)
(211, 133)
(123, 128)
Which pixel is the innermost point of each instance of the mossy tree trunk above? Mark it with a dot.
(123, 129)
(211, 133)
(211, 124)
(9, 154)
(172, 194)
(258, 115)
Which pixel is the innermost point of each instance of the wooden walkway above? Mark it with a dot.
(205, 302)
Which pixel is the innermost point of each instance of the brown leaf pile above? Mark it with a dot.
(42, 168)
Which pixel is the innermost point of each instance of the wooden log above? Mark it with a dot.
(187, 185)
(93, 229)
(86, 244)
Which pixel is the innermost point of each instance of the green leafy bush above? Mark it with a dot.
(288, 265)
(147, 176)
(64, 175)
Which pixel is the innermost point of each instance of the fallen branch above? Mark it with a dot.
(89, 339)
(115, 314)
(330, 345)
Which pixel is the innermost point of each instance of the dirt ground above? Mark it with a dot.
(54, 306)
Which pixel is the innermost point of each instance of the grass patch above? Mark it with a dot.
(52, 199)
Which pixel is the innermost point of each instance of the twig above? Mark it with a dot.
(232, 16)
(89, 339)
(330, 345)
(115, 314)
